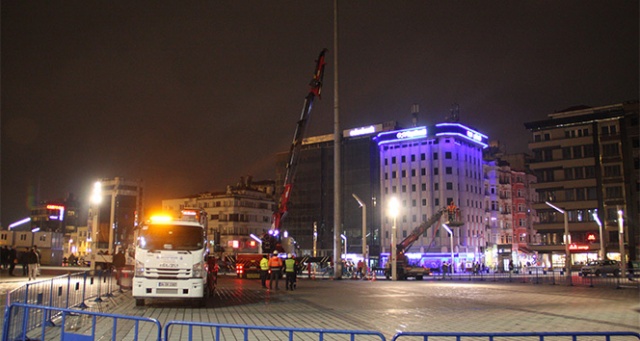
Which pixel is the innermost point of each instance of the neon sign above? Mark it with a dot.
(458, 129)
(578, 247)
(402, 135)
(362, 131)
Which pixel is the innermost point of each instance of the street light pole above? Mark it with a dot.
(393, 212)
(364, 231)
(451, 237)
(345, 245)
(601, 251)
(567, 240)
(623, 264)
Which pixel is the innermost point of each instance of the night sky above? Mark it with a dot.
(191, 95)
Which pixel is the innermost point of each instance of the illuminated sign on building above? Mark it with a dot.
(363, 130)
(402, 135)
(442, 129)
(458, 129)
(578, 247)
(56, 207)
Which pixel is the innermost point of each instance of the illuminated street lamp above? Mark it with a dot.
(597, 219)
(394, 207)
(451, 237)
(567, 240)
(623, 264)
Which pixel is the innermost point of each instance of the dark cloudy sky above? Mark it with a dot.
(191, 95)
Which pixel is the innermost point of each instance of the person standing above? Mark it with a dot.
(13, 259)
(264, 270)
(275, 266)
(119, 261)
(32, 261)
(290, 271)
(23, 260)
(38, 260)
(630, 272)
(4, 254)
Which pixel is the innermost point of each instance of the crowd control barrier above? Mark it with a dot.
(75, 325)
(175, 330)
(559, 336)
(66, 291)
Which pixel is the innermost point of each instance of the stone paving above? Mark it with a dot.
(390, 307)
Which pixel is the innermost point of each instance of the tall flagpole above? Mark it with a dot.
(337, 142)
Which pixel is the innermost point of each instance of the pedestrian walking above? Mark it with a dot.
(445, 269)
(630, 272)
(13, 259)
(275, 266)
(32, 261)
(264, 270)
(290, 271)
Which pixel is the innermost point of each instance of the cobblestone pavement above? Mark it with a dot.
(390, 307)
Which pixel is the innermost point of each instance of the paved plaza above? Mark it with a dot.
(390, 307)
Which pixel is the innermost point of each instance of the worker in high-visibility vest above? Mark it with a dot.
(290, 271)
(275, 266)
(264, 270)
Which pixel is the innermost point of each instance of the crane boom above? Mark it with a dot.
(406, 243)
(294, 153)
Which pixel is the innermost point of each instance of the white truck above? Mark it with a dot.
(170, 259)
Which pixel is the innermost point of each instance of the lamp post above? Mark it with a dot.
(364, 231)
(451, 237)
(623, 264)
(567, 240)
(345, 245)
(601, 251)
(393, 213)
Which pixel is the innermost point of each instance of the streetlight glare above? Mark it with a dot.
(394, 207)
(96, 194)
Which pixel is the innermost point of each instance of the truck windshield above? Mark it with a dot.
(171, 237)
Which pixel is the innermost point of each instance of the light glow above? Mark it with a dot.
(20, 222)
(160, 218)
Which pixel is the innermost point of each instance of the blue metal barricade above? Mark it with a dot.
(574, 336)
(175, 330)
(75, 325)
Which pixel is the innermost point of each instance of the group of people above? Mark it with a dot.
(272, 267)
(29, 259)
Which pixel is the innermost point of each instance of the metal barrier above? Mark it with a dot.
(76, 325)
(218, 331)
(64, 291)
(574, 336)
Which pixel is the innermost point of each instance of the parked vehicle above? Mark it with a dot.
(601, 268)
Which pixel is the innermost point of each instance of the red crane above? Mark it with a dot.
(270, 240)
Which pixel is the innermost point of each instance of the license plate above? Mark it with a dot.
(167, 284)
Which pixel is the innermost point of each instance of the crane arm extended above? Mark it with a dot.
(415, 234)
(294, 151)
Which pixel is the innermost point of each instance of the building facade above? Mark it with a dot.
(116, 205)
(426, 169)
(234, 215)
(586, 162)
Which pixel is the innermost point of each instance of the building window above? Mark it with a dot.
(424, 187)
(447, 155)
(404, 173)
(393, 160)
(610, 149)
(413, 188)
(449, 185)
(435, 171)
(436, 202)
(436, 186)
(613, 192)
(448, 170)
(423, 171)
(435, 156)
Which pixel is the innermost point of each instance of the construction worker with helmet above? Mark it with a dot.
(290, 271)
(275, 266)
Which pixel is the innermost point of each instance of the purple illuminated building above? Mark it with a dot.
(426, 168)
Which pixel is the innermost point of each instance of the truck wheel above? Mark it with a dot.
(419, 278)
(616, 273)
(139, 302)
